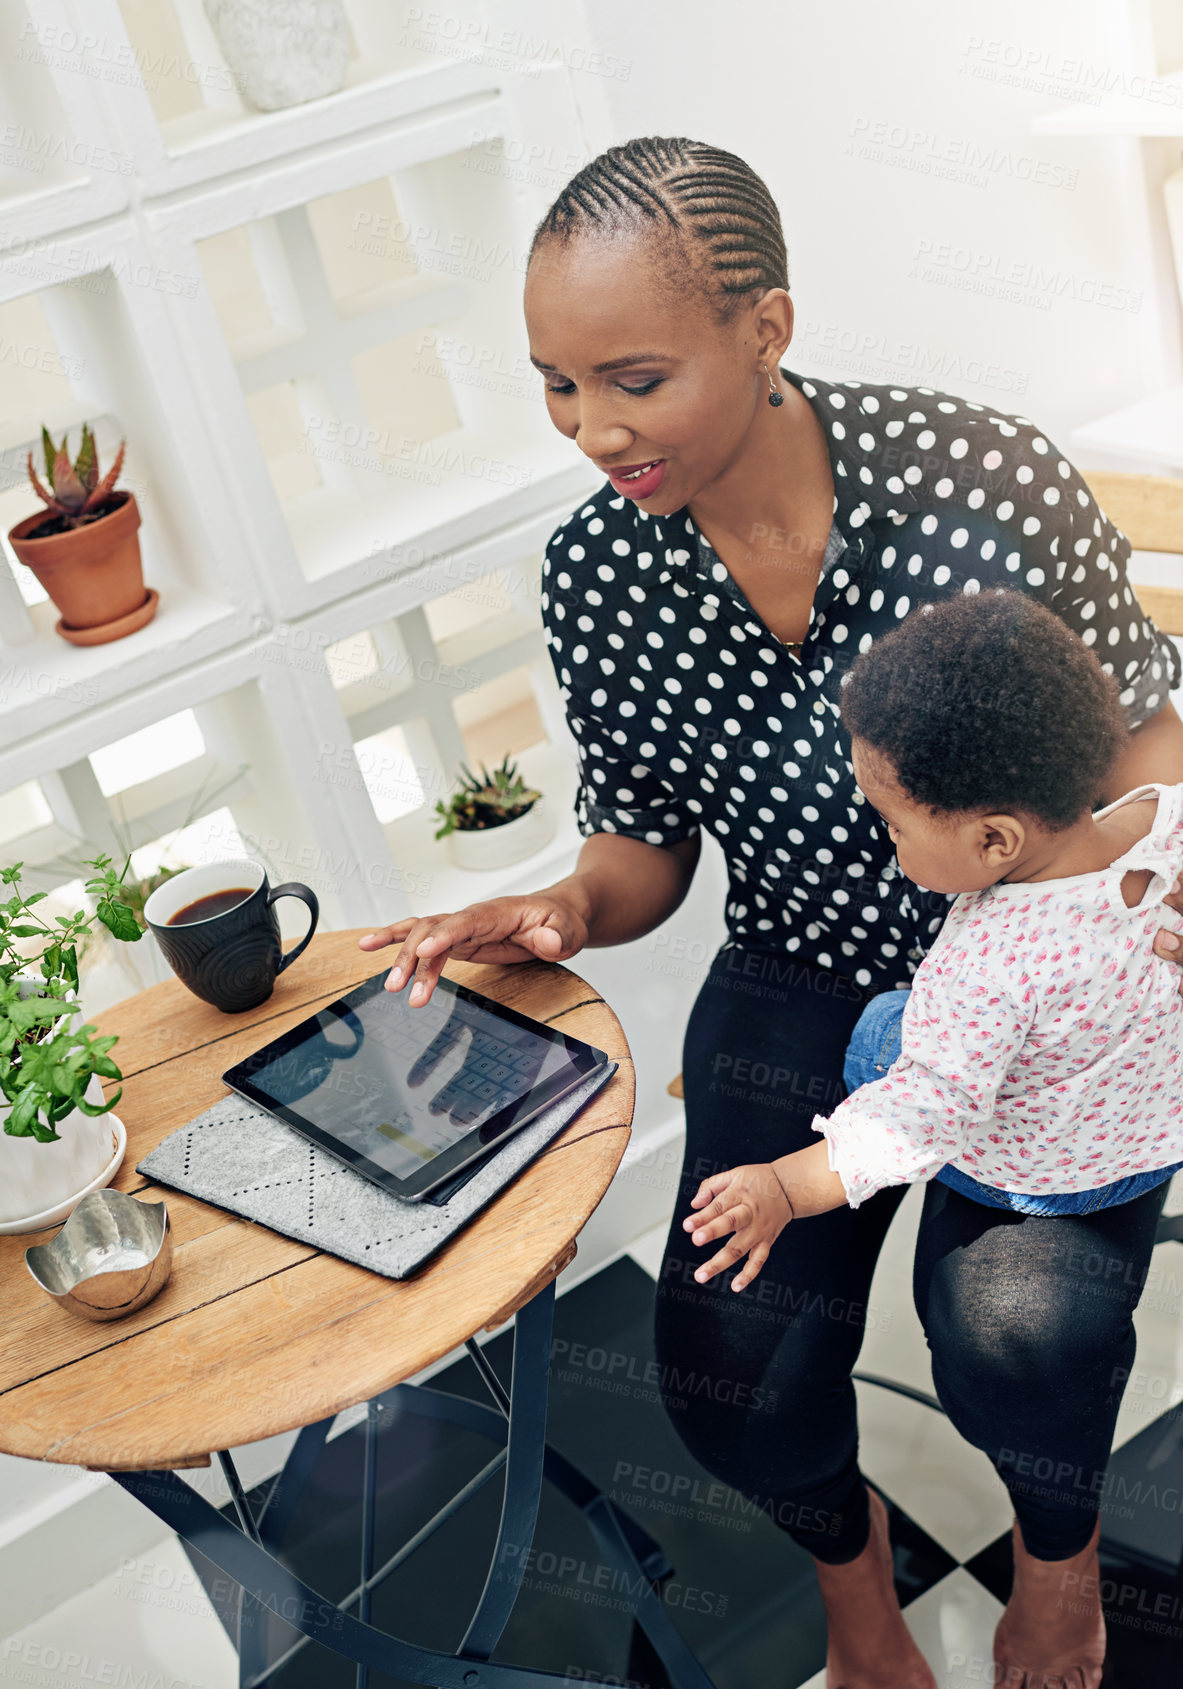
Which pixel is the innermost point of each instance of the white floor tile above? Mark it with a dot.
(648, 1250)
(928, 1469)
(1155, 1384)
(954, 1626)
(147, 1623)
(894, 1344)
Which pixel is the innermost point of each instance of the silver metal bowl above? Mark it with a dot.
(111, 1257)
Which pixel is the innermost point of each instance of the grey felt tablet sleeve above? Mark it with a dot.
(239, 1157)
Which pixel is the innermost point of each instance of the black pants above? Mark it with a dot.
(1029, 1319)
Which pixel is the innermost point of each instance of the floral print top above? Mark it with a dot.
(1042, 1044)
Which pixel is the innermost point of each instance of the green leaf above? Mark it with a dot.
(19, 1123)
(95, 1108)
(119, 920)
(86, 464)
(26, 932)
(48, 448)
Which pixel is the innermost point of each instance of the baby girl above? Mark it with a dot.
(1037, 1061)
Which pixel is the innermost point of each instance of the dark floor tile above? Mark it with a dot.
(742, 1593)
(1141, 1560)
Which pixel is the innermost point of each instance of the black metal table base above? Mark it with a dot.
(246, 1552)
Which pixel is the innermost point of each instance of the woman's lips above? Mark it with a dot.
(626, 480)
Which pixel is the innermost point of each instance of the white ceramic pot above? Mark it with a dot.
(282, 52)
(513, 841)
(40, 1184)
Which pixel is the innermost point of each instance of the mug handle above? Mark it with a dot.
(293, 888)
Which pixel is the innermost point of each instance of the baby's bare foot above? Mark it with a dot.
(1052, 1634)
(869, 1643)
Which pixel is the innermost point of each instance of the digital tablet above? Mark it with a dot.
(409, 1096)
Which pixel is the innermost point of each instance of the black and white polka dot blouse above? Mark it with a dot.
(688, 712)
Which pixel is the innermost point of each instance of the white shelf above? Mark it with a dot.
(344, 543)
(48, 682)
(1149, 432)
(1121, 113)
(28, 215)
(217, 143)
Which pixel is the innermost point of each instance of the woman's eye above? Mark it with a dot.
(564, 387)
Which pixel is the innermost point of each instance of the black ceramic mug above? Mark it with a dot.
(219, 932)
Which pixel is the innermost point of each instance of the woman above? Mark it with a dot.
(757, 530)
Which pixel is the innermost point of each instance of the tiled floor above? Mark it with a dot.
(755, 1618)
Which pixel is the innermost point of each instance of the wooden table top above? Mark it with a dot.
(255, 1333)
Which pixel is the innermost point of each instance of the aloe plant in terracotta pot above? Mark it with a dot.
(84, 547)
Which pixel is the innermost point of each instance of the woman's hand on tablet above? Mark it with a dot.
(542, 927)
(1168, 943)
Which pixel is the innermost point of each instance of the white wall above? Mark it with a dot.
(861, 116)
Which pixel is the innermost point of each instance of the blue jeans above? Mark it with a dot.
(873, 1047)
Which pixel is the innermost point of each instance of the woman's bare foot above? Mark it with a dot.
(1052, 1634)
(869, 1643)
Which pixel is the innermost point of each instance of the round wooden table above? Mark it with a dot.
(256, 1334)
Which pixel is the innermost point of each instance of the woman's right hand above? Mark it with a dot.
(540, 927)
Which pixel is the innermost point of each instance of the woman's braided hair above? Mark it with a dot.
(689, 189)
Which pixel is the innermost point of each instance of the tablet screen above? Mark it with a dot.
(400, 1087)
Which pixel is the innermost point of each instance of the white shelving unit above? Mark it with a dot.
(1153, 109)
(307, 324)
(1140, 108)
(1148, 433)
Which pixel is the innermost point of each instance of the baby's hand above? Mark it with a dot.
(749, 1201)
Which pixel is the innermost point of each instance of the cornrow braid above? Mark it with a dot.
(689, 188)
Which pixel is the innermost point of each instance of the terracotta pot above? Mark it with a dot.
(93, 573)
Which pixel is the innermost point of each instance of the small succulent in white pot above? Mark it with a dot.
(494, 821)
(55, 1144)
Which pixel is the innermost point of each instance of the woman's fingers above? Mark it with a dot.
(382, 936)
(413, 932)
(1174, 898)
(502, 929)
(1167, 942)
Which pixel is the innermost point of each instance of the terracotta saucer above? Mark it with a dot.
(107, 631)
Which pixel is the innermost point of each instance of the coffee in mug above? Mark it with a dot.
(219, 932)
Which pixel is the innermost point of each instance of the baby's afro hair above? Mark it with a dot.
(989, 702)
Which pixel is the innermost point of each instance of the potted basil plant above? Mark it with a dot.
(495, 820)
(57, 1143)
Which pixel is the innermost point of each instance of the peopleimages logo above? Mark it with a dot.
(952, 157)
(1022, 281)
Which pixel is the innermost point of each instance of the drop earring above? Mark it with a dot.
(774, 398)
